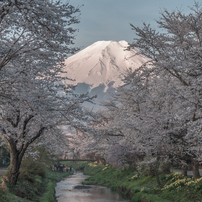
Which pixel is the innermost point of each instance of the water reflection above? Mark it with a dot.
(65, 191)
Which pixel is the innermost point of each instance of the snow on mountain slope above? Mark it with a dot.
(102, 63)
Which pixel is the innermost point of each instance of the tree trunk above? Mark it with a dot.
(184, 168)
(15, 162)
(157, 178)
(16, 155)
(14, 170)
(157, 171)
(99, 159)
(166, 167)
(195, 165)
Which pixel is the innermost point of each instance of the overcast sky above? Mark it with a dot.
(110, 19)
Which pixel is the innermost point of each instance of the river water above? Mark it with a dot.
(66, 192)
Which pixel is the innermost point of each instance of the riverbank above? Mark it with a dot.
(174, 186)
(37, 187)
(70, 189)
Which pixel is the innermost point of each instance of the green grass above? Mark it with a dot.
(36, 184)
(38, 190)
(8, 197)
(175, 187)
(49, 194)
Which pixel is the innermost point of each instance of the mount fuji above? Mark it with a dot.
(99, 68)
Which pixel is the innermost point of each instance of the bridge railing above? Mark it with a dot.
(76, 160)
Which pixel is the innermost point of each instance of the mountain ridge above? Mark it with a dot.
(99, 68)
(102, 62)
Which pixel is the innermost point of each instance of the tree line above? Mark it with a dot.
(156, 113)
(35, 38)
(158, 110)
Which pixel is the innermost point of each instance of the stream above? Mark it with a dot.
(71, 190)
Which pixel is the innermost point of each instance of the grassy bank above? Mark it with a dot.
(174, 186)
(36, 184)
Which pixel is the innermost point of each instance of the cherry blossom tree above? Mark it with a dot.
(159, 107)
(176, 52)
(35, 38)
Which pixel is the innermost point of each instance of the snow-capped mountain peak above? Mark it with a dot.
(99, 68)
(102, 63)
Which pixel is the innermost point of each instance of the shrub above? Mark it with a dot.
(144, 190)
(136, 190)
(148, 167)
(137, 197)
(25, 190)
(30, 169)
(114, 187)
(134, 177)
(48, 196)
(165, 167)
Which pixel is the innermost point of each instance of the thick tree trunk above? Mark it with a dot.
(16, 155)
(15, 162)
(195, 165)
(184, 168)
(14, 170)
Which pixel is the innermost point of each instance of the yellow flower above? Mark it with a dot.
(142, 189)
